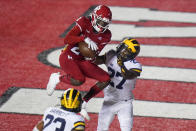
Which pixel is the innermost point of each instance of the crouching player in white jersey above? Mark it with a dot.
(123, 69)
(65, 117)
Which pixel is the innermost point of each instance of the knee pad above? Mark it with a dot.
(75, 82)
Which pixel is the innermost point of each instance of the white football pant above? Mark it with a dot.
(123, 110)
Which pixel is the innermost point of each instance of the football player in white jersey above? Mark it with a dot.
(124, 70)
(64, 118)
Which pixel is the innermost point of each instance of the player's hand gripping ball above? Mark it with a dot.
(85, 51)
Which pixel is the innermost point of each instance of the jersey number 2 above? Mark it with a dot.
(117, 74)
(51, 119)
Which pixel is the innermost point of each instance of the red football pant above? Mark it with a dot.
(78, 69)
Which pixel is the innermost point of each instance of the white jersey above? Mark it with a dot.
(119, 88)
(59, 119)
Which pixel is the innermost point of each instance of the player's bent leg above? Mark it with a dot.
(105, 117)
(77, 82)
(94, 90)
(125, 115)
(72, 81)
(74, 75)
(95, 72)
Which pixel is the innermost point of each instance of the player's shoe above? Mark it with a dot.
(83, 111)
(53, 81)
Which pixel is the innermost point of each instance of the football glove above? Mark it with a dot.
(91, 44)
(83, 111)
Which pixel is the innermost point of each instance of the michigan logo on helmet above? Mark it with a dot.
(101, 18)
(71, 100)
(128, 50)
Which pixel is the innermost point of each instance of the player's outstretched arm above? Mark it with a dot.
(73, 36)
(103, 58)
(100, 60)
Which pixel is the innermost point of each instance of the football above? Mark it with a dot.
(85, 51)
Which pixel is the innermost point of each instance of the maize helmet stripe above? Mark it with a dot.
(70, 98)
(67, 95)
(65, 100)
(75, 100)
(130, 44)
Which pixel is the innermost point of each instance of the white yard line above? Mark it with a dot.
(153, 72)
(120, 31)
(137, 14)
(35, 101)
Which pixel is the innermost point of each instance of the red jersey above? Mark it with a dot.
(79, 32)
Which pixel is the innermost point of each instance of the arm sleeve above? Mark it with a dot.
(79, 125)
(73, 36)
(133, 67)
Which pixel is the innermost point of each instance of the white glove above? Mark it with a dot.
(83, 111)
(91, 44)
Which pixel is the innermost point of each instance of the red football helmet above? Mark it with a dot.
(101, 18)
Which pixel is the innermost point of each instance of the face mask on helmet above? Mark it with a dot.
(71, 100)
(127, 50)
(101, 18)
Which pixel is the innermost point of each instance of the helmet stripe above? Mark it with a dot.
(70, 97)
(75, 100)
(65, 100)
(130, 44)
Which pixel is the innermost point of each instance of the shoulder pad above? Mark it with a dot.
(132, 64)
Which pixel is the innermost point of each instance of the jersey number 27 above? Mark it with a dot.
(116, 74)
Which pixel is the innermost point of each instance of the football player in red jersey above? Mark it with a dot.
(94, 31)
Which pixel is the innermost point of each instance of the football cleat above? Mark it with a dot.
(53, 81)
